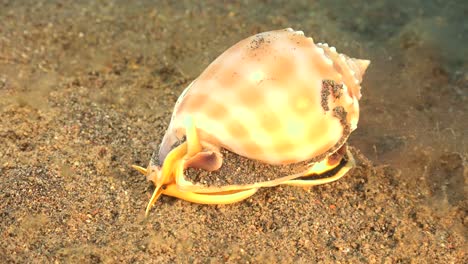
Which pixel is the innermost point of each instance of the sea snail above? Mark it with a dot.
(276, 98)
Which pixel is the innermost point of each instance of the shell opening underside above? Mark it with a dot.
(239, 172)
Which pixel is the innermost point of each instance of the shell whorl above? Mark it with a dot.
(351, 70)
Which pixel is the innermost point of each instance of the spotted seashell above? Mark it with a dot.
(275, 97)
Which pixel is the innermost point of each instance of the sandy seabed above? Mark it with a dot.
(87, 89)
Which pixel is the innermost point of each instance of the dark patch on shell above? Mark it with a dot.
(337, 90)
(330, 87)
(340, 113)
(325, 92)
(257, 41)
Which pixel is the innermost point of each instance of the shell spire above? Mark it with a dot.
(352, 70)
(359, 67)
(362, 65)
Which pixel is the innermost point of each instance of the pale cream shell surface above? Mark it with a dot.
(263, 99)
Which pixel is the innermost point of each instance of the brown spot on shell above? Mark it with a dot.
(237, 129)
(193, 102)
(269, 121)
(282, 68)
(282, 147)
(249, 97)
(216, 110)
